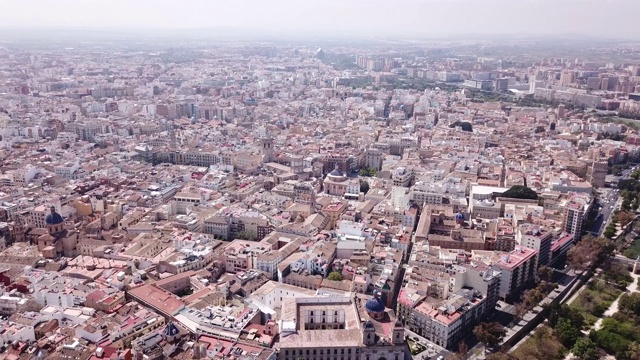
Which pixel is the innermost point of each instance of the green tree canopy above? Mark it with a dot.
(630, 303)
(464, 125)
(368, 172)
(585, 349)
(566, 332)
(489, 333)
(500, 356)
(520, 192)
(543, 345)
(609, 232)
(364, 186)
(335, 276)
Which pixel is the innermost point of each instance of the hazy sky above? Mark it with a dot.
(617, 18)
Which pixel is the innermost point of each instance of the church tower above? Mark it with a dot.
(368, 333)
(398, 333)
(267, 149)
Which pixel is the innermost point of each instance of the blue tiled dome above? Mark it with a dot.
(459, 216)
(171, 330)
(53, 219)
(374, 305)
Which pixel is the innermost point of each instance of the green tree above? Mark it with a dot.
(532, 297)
(543, 345)
(630, 304)
(489, 333)
(585, 349)
(618, 274)
(545, 273)
(464, 125)
(520, 192)
(633, 351)
(629, 184)
(371, 171)
(461, 354)
(364, 186)
(605, 249)
(519, 310)
(581, 254)
(624, 217)
(609, 232)
(335, 276)
(566, 332)
(500, 356)
(557, 312)
(246, 235)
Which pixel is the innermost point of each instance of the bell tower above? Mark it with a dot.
(267, 149)
(398, 333)
(368, 333)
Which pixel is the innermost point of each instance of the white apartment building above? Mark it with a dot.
(67, 171)
(12, 332)
(24, 175)
(185, 201)
(402, 176)
(67, 137)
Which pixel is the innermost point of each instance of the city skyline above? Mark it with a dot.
(319, 180)
(279, 18)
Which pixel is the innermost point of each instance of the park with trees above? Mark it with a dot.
(581, 327)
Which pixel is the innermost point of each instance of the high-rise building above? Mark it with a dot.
(573, 218)
(537, 238)
(561, 111)
(502, 84)
(535, 84)
(567, 78)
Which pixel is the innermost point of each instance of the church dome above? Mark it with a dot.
(336, 172)
(336, 175)
(375, 304)
(171, 330)
(54, 218)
